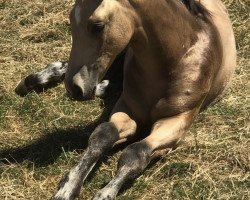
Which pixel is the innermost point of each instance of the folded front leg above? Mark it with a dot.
(165, 135)
(53, 73)
(102, 140)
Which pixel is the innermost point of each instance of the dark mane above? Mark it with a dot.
(195, 7)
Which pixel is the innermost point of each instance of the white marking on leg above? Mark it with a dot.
(54, 71)
(101, 88)
(74, 179)
(106, 193)
(111, 190)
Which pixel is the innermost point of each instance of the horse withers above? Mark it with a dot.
(180, 57)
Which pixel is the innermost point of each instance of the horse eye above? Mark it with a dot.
(97, 27)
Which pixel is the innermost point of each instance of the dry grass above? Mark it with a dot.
(40, 133)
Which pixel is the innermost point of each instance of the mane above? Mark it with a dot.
(196, 8)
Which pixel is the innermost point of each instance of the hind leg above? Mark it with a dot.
(53, 73)
(165, 135)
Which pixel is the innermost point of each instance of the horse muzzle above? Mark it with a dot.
(80, 88)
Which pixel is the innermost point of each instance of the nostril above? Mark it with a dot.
(79, 94)
(73, 90)
(77, 90)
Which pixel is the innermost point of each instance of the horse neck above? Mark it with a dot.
(166, 32)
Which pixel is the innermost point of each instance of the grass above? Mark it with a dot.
(42, 136)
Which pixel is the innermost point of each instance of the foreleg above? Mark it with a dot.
(165, 135)
(102, 140)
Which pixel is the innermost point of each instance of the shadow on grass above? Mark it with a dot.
(46, 149)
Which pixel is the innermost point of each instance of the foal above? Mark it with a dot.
(180, 57)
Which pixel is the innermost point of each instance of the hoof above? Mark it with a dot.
(22, 89)
(106, 194)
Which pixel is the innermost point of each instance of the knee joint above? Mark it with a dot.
(104, 137)
(135, 159)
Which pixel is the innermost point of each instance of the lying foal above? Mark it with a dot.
(180, 57)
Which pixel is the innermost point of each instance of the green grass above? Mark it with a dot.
(43, 135)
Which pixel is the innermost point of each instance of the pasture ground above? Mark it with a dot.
(43, 135)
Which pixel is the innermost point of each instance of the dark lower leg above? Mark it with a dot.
(133, 161)
(101, 140)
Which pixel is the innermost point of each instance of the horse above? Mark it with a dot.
(179, 58)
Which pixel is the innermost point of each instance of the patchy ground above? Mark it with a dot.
(43, 135)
